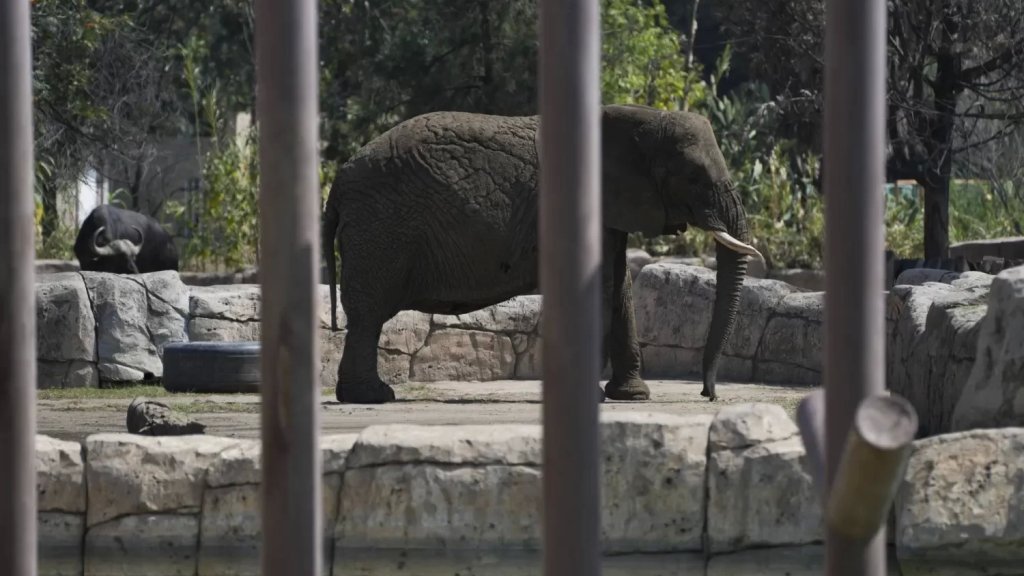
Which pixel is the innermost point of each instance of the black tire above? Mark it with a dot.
(212, 367)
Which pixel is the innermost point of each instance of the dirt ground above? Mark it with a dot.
(63, 414)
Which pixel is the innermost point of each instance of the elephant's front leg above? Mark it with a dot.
(621, 340)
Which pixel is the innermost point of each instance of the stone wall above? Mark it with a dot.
(95, 327)
(109, 328)
(721, 495)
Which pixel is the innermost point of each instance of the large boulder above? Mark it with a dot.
(478, 488)
(933, 330)
(65, 332)
(760, 492)
(776, 338)
(960, 506)
(994, 393)
(130, 474)
(136, 315)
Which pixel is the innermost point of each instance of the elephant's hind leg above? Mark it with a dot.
(623, 346)
(370, 297)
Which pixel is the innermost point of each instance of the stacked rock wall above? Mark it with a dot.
(721, 495)
(97, 328)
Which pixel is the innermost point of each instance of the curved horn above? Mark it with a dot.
(96, 248)
(142, 240)
(736, 245)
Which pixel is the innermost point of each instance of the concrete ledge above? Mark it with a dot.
(441, 499)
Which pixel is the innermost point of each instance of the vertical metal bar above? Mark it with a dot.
(854, 177)
(570, 278)
(287, 108)
(17, 297)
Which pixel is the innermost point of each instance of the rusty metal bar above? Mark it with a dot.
(854, 148)
(570, 279)
(17, 297)
(287, 110)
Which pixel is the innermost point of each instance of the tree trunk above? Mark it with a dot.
(936, 217)
(689, 54)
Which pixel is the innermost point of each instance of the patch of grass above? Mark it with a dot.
(126, 392)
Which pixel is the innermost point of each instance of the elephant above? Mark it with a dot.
(439, 214)
(113, 239)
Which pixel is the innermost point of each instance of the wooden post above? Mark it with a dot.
(286, 104)
(871, 467)
(570, 279)
(17, 297)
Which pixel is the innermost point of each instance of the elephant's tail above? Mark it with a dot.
(328, 231)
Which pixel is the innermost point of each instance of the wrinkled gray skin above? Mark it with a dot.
(439, 214)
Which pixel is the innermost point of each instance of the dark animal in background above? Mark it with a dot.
(439, 215)
(121, 241)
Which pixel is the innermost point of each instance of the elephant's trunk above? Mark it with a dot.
(731, 251)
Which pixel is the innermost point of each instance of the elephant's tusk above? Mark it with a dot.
(734, 244)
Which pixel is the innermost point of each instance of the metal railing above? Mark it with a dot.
(17, 295)
(570, 220)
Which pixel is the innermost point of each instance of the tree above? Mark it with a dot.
(955, 81)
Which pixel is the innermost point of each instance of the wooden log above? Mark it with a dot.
(871, 467)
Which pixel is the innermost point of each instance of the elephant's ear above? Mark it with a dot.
(630, 182)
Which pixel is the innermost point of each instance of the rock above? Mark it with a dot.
(238, 303)
(793, 337)
(332, 344)
(464, 355)
(240, 464)
(810, 280)
(236, 465)
(60, 475)
(219, 330)
(743, 425)
(150, 544)
(636, 259)
(136, 315)
(973, 280)
(653, 470)
(59, 543)
(393, 367)
(673, 305)
(994, 393)
(510, 445)
(919, 276)
(65, 326)
(519, 314)
(406, 332)
(231, 528)
(426, 505)
(673, 313)
(70, 374)
(528, 357)
(130, 474)
(152, 418)
(960, 506)
(931, 347)
(760, 492)
(335, 449)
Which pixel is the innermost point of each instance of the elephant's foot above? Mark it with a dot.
(709, 394)
(633, 389)
(364, 391)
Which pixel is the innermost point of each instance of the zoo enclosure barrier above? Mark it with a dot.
(286, 56)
